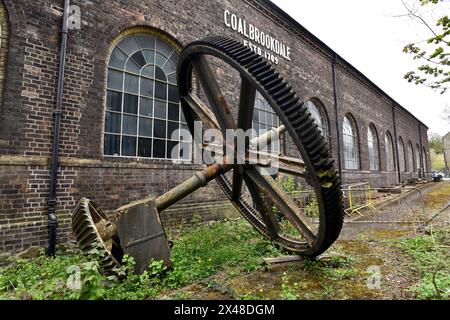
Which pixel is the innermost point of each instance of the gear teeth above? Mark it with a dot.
(257, 66)
(270, 79)
(282, 100)
(88, 238)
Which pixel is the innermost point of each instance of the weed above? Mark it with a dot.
(430, 255)
(196, 255)
(288, 291)
(328, 290)
(208, 249)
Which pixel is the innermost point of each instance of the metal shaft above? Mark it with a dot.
(201, 179)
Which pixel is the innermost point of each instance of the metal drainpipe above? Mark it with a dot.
(336, 111)
(396, 144)
(53, 222)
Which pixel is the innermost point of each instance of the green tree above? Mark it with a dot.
(435, 143)
(434, 52)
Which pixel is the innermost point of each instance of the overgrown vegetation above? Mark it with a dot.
(430, 256)
(224, 259)
(197, 254)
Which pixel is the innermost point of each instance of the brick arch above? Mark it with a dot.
(147, 30)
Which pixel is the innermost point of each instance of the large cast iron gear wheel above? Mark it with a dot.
(258, 74)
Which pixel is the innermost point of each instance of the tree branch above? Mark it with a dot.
(415, 15)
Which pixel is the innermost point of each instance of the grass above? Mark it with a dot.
(226, 258)
(197, 254)
(430, 255)
(209, 249)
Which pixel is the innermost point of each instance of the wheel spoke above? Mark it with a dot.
(245, 117)
(237, 182)
(201, 110)
(263, 208)
(284, 164)
(294, 214)
(213, 93)
(246, 105)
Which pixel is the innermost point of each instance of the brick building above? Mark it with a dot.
(446, 147)
(112, 148)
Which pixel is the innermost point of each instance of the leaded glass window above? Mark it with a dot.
(264, 119)
(401, 154)
(372, 141)
(143, 114)
(350, 141)
(410, 157)
(390, 164)
(319, 116)
(424, 159)
(418, 162)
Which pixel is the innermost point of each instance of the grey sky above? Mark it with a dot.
(367, 35)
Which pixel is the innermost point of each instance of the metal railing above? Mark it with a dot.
(357, 197)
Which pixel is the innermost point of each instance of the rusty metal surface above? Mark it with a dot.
(93, 231)
(318, 169)
(138, 224)
(142, 235)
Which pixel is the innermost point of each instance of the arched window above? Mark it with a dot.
(410, 157)
(350, 141)
(374, 155)
(401, 154)
(264, 119)
(389, 145)
(424, 156)
(418, 162)
(321, 119)
(143, 111)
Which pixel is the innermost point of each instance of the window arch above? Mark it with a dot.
(410, 157)
(320, 117)
(350, 140)
(374, 154)
(389, 145)
(401, 154)
(143, 111)
(264, 119)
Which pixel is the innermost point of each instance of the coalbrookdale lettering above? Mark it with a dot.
(251, 32)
